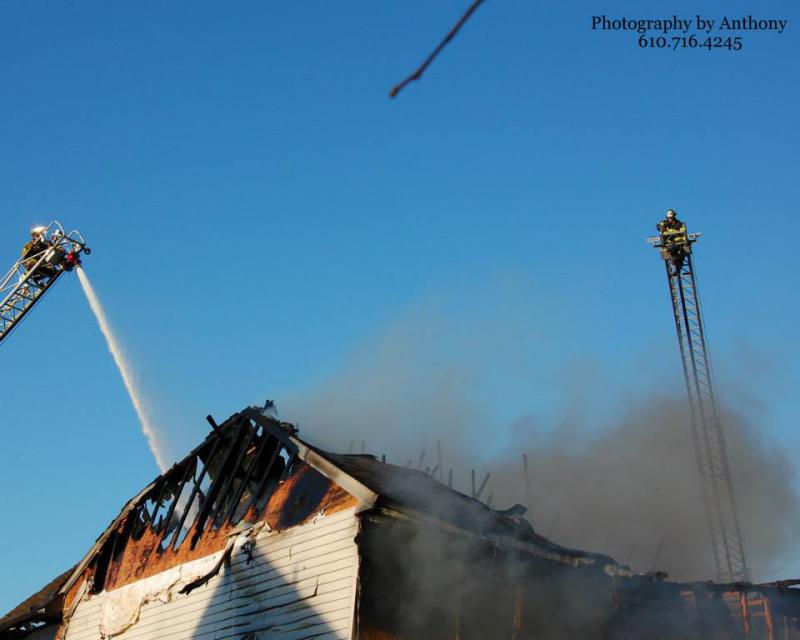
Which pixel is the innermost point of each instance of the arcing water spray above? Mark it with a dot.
(126, 371)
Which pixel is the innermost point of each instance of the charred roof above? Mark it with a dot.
(254, 468)
(228, 479)
(39, 605)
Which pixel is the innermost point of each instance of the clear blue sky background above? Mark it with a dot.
(258, 207)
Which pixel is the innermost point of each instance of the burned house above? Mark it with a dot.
(257, 534)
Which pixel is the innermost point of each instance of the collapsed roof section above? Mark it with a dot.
(240, 474)
(254, 473)
(252, 468)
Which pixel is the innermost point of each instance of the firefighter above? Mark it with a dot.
(671, 229)
(32, 252)
(35, 246)
(673, 240)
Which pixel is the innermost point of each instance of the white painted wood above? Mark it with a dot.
(292, 585)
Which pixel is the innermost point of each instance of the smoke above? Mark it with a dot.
(126, 371)
(631, 489)
(615, 475)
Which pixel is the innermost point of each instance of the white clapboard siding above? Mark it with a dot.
(295, 584)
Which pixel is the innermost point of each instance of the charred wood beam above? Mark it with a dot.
(243, 447)
(222, 472)
(477, 496)
(220, 483)
(190, 471)
(262, 486)
(477, 491)
(265, 438)
(166, 530)
(214, 424)
(657, 555)
(195, 491)
(281, 430)
(199, 582)
(527, 481)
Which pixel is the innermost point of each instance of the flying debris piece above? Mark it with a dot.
(452, 34)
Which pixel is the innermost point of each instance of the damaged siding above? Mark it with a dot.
(295, 584)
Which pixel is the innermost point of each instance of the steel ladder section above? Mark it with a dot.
(709, 441)
(22, 294)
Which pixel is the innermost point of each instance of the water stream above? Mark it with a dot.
(126, 371)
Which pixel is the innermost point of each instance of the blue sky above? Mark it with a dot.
(259, 209)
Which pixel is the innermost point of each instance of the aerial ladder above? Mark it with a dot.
(709, 441)
(50, 253)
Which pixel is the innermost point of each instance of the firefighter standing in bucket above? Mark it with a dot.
(32, 252)
(674, 242)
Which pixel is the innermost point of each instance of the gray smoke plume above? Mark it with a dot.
(621, 482)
